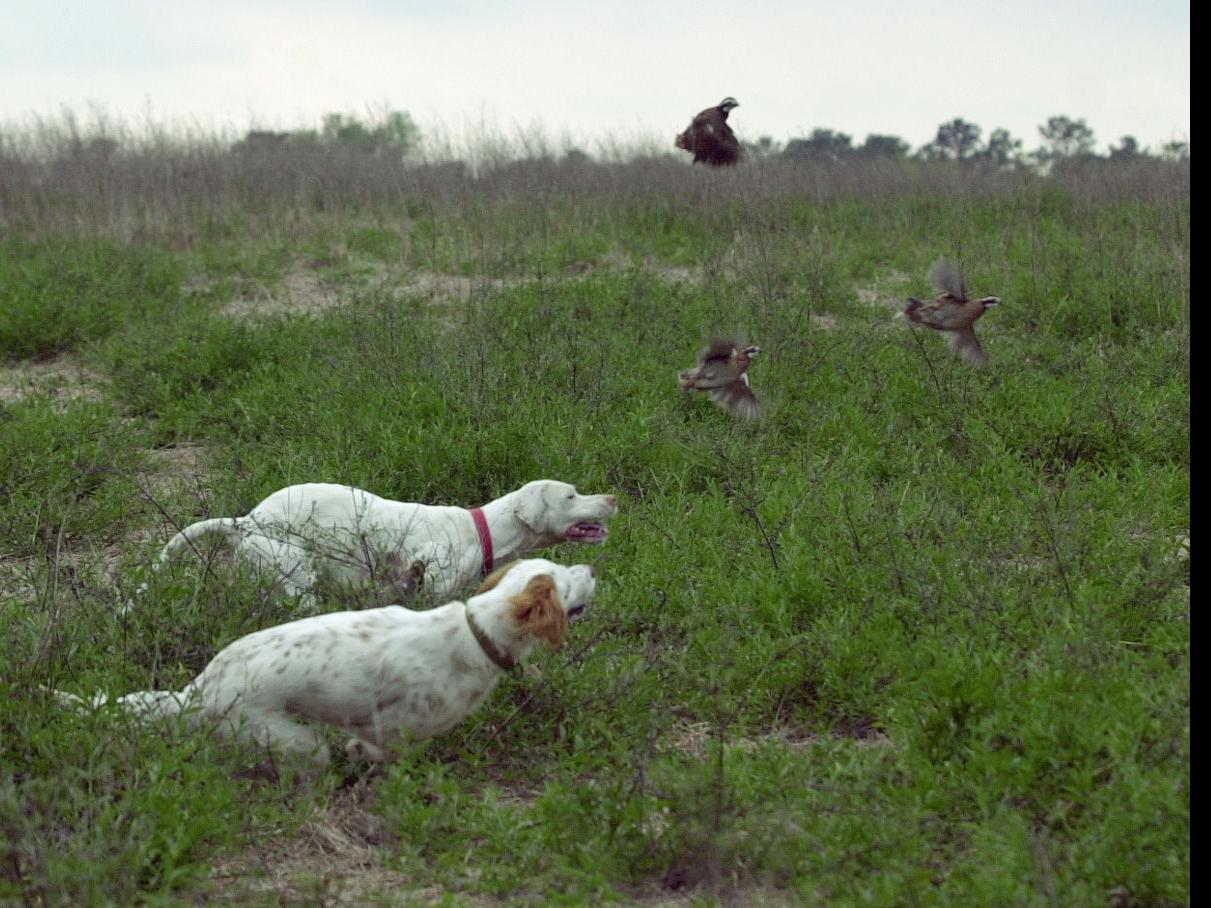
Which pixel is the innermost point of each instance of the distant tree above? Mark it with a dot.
(395, 134)
(883, 146)
(1176, 151)
(1128, 147)
(764, 147)
(1001, 150)
(1065, 138)
(957, 140)
(821, 145)
(400, 131)
(260, 140)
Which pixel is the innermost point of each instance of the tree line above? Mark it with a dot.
(1061, 137)
(395, 134)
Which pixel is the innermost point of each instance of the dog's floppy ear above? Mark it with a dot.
(494, 578)
(532, 507)
(539, 612)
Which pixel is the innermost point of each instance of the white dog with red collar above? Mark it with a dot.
(304, 534)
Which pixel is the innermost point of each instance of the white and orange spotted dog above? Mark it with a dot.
(385, 675)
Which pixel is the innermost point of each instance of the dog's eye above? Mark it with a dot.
(571, 495)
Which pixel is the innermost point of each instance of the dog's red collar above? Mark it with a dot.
(485, 538)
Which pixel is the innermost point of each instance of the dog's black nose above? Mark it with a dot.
(592, 573)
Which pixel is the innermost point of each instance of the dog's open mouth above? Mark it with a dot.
(577, 611)
(587, 532)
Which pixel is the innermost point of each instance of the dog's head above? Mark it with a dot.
(556, 511)
(539, 597)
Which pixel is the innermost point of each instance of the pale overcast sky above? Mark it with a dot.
(640, 69)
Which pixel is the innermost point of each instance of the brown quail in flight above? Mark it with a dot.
(952, 313)
(709, 138)
(722, 370)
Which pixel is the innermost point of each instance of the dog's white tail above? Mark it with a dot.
(227, 527)
(71, 700)
(146, 704)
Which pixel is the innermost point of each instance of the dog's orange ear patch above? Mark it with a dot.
(494, 578)
(539, 612)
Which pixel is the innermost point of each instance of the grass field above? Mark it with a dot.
(920, 636)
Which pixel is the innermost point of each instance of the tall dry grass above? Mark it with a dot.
(168, 185)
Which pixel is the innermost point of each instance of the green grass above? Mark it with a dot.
(920, 636)
(57, 293)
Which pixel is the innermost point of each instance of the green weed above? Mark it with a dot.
(920, 635)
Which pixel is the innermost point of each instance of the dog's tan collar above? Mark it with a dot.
(506, 662)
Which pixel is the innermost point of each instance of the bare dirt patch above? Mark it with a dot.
(302, 293)
(18, 579)
(84, 571)
(338, 857)
(92, 569)
(617, 262)
(176, 481)
(1177, 544)
(1181, 547)
(691, 738)
(62, 379)
(446, 289)
(175, 469)
(678, 274)
(341, 855)
(658, 895)
(885, 291)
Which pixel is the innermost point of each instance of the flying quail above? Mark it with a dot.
(709, 138)
(952, 312)
(721, 370)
